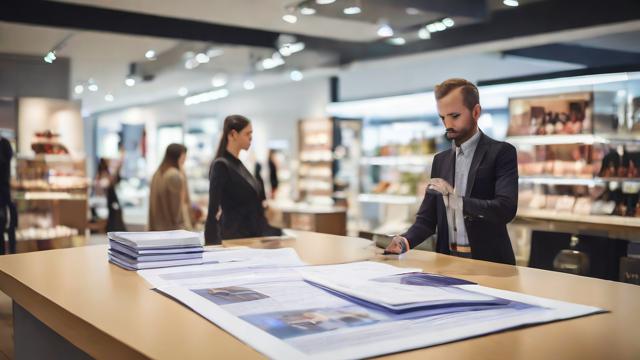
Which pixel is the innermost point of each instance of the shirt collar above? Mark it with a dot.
(469, 146)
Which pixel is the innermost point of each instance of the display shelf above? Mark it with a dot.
(388, 199)
(543, 214)
(558, 180)
(49, 195)
(408, 160)
(587, 139)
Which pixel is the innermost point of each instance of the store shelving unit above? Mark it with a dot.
(315, 172)
(570, 178)
(51, 195)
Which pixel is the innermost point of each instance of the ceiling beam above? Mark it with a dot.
(587, 56)
(81, 17)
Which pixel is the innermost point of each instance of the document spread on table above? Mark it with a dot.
(286, 309)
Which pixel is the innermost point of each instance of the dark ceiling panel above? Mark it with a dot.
(587, 56)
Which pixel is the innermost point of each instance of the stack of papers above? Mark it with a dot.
(154, 249)
(404, 292)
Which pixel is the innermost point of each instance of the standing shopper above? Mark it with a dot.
(235, 196)
(169, 207)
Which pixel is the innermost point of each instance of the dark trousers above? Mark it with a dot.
(8, 225)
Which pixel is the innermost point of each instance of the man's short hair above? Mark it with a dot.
(470, 95)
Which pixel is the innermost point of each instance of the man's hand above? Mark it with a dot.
(398, 245)
(440, 185)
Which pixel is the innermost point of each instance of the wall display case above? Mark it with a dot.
(50, 185)
(315, 170)
(578, 157)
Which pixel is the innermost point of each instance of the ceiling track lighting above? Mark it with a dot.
(50, 56)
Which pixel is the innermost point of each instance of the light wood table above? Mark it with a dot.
(96, 308)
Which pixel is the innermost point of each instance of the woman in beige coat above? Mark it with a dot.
(169, 194)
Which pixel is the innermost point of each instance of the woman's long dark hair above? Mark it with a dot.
(231, 122)
(172, 157)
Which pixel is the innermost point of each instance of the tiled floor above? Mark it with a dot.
(6, 312)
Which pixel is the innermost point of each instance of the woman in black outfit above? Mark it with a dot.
(235, 196)
(105, 183)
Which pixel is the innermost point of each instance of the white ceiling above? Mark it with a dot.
(105, 57)
(255, 14)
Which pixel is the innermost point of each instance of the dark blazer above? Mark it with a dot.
(237, 192)
(490, 202)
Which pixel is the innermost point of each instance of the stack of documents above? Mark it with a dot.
(154, 249)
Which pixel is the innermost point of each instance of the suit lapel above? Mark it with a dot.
(481, 149)
(447, 167)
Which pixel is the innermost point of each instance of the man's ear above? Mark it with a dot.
(476, 112)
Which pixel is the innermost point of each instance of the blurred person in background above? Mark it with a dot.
(8, 213)
(104, 184)
(169, 204)
(235, 196)
(273, 173)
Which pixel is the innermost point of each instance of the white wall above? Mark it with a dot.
(422, 72)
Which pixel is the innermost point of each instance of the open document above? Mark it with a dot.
(291, 311)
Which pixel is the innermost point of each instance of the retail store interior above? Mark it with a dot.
(340, 95)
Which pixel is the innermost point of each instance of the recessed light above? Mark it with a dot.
(183, 91)
(296, 75)
(397, 41)
(248, 85)
(412, 11)
(290, 18)
(150, 55)
(93, 87)
(424, 34)
(384, 30)
(448, 22)
(305, 10)
(108, 98)
(129, 81)
(325, 2)
(352, 10)
(219, 80)
(512, 3)
(79, 89)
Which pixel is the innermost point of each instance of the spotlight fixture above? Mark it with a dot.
(109, 98)
(183, 91)
(424, 34)
(50, 57)
(512, 3)
(78, 89)
(272, 62)
(296, 75)
(248, 85)
(325, 2)
(130, 81)
(289, 49)
(150, 54)
(202, 58)
(384, 29)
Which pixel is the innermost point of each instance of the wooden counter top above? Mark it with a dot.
(109, 312)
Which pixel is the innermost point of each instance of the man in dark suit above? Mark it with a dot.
(473, 191)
